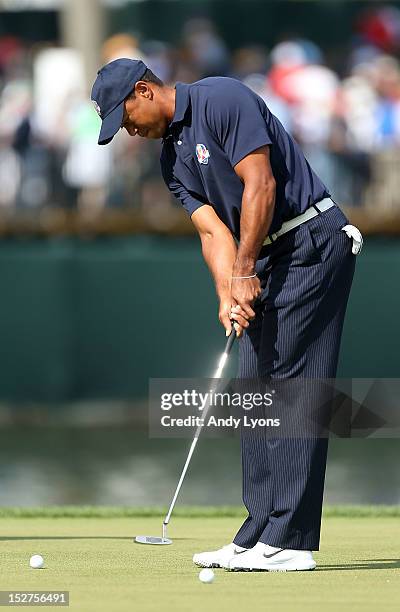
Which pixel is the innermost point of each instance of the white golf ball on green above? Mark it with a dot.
(206, 575)
(36, 562)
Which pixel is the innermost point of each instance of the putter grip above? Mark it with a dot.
(230, 341)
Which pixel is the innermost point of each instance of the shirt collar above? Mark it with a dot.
(181, 102)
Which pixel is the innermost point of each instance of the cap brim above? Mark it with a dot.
(111, 124)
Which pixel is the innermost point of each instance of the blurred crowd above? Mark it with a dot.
(346, 118)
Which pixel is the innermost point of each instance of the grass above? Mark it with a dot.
(89, 551)
(346, 511)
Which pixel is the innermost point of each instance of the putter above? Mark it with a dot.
(142, 539)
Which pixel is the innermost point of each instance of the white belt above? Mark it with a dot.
(310, 213)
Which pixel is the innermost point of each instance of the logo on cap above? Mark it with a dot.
(203, 154)
(97, 108)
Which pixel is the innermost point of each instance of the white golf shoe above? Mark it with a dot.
(270, 559)
(220, 557)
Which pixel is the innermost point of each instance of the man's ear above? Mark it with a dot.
(142, 89)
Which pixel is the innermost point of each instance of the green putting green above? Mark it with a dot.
(91, 553)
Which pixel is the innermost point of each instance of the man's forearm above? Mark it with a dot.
(219, 252)
(255, 220)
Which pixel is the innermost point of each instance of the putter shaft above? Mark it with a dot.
(218, 374)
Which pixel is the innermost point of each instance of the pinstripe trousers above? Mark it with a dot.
(306, 276)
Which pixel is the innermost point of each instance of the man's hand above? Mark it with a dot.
(245, 291)
(229, 313)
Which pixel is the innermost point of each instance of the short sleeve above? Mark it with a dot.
(235, 116)
(188, 201)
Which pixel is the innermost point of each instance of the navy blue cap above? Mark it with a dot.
(113, 84)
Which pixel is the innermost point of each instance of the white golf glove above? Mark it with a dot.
(353, 232)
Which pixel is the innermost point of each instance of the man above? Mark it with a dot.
(282, 267)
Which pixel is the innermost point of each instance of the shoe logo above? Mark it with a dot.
(202, 153)
(273, 554)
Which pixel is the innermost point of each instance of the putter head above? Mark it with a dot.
(142, 539)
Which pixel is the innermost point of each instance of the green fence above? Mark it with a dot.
(242, 22)
(95, 319)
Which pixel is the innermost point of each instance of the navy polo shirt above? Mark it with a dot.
(217, 122)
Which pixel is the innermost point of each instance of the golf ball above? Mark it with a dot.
(36, 562)
(206, 575)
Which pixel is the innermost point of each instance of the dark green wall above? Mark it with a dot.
(326, 22)
(96, 319)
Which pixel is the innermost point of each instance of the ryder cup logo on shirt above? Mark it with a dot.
(203, 154)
